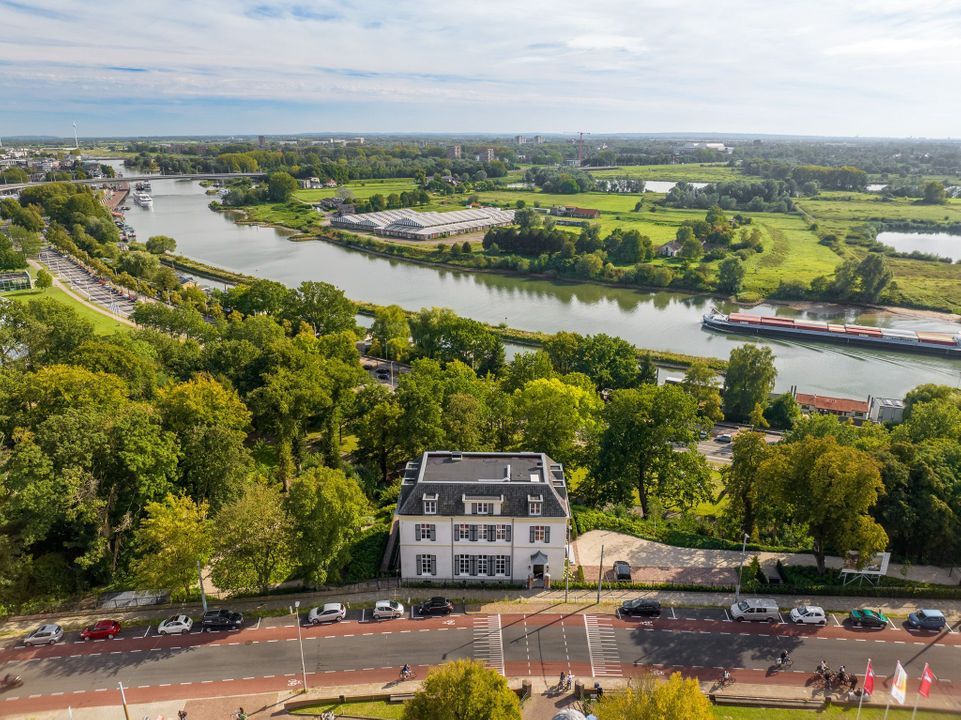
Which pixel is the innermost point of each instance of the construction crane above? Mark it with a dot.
(580, 147)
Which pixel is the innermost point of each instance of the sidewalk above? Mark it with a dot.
(543, 703)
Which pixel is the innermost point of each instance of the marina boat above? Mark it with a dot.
(935, 343)
(144, 186)
(142, 199)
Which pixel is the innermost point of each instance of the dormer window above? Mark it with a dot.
(483, 508)
(535, 504)
(430, 504)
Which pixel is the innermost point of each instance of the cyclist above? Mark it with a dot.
(405, 672)
(822, 668)
(726, 677)
(784, 658)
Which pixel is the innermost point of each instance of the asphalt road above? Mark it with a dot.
(697, 642)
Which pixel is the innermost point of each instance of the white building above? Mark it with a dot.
(414, 225)
(495, 517)
(886, 410)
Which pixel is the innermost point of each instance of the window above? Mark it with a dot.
(425, 531)
(430, 507)
(463, 531)
(426, 564)
(501, 565)
(483, 508)
(503, 532)
(482, 565)
(482, 533)
(540, 533)
(534, 507)
(463, 564)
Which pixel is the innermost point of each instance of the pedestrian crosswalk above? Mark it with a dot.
(489, 642)
(602, 647)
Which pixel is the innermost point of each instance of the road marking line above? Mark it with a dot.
(57, 693)
(141, 687)
(257, 627)
(164, 685)
(186, 683)
(206, 682)
(726, 615)
(79, 692)
(270, 676)
(250, 678)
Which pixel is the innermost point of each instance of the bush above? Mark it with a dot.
(366, 554)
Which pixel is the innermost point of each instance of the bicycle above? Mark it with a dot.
(408, 675)
(726, 680)
(786, 662)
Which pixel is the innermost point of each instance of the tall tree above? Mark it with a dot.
(700, 382)
(173, 537)
(555, 417)
(830, 489)
(463, 690)
(160, 244)
(730, 275)
(637, 449)
(327, 510)
(390, 333)
(280, 186)
(323, 307)
(741, 481)
(748, 381)
(875, 276)
(252, 541)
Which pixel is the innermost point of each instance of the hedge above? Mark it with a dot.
(932, 593)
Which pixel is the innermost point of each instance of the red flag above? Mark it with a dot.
(869, 679)
(927, 680)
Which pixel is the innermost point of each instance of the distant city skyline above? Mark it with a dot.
(883, 68)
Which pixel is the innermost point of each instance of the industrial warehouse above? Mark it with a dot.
(413, 225)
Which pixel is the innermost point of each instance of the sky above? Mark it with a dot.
(887, 68)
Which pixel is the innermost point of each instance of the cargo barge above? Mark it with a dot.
(932, 343)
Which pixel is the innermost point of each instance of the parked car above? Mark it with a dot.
(622, 571)
(387, 610)
(101, 630)
(808, 615)
(927, 619)
(756, 609)
(175, 625)
(868, 618)
(724, 438)
(44, 635)
(221, 620)
(330, 612)
(641, 607)
(436, 606)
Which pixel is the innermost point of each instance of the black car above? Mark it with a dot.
(641, 607)
(221, 620)
(622, 571)
(437, 606)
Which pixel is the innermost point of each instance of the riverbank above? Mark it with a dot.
(515, 336)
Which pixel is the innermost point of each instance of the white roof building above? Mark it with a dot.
(411, 224)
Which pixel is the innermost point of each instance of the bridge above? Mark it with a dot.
(134, 179)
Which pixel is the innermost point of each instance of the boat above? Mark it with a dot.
(144, 186)
(142, 199)
(933, 343)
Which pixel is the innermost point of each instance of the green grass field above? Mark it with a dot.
(361, 189)
(843, 208)
(381, 710)
(686, 172)
(102, 324)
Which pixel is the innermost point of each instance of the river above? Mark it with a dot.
(659, 320)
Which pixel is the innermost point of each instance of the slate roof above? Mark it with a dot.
(509, 476)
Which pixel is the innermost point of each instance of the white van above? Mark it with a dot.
(756, 609)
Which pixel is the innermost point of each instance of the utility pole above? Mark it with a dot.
(567, 562)
(123, 701)
(300, 639)
(740, 571)
(600, 575)
(203, 594)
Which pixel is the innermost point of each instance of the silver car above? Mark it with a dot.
(388, 610)
(331, 612)
(44, 635)
(175, 625)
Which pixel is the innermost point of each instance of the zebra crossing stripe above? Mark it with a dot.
(602, 647)
(489, 642)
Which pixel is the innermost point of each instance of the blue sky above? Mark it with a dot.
(851, 67)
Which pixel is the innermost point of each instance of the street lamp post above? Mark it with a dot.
(740, 570)
(300, 640)
(123, 701)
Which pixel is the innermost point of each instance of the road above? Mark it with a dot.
(698, 642)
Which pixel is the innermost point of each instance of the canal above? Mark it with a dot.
(656, 320)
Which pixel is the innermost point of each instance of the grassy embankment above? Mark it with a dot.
(102, 324)
(922, 283)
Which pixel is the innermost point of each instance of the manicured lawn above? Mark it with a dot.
(686, 172)
(387, 711)
(834, 712)
(102, 324)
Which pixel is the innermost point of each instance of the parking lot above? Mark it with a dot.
(86, 284)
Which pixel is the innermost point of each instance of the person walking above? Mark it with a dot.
(181, 715)
(561, 684)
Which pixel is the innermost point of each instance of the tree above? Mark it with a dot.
(280, 186)
(637, 449)
(874, 275)
(678, 698)
(463, 690)
(173, 537)
(830, 489)
(327, 511)
(555, 418)
(700, 382)
(375, 418)
(139, 264)
(748, 381)
(524, 368)
(160, 244)
(390, 333)
(934, 193)
(322, 306)
(252, 540)
(691, 249)
(44, 279)
(783, 412)
(730, 275)
(741, 482)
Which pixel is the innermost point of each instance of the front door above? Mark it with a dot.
(538, 572)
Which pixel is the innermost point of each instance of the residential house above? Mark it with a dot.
(827, 405)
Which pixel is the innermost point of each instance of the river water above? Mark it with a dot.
(660, 320)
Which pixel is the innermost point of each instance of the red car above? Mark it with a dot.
(102, 629)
